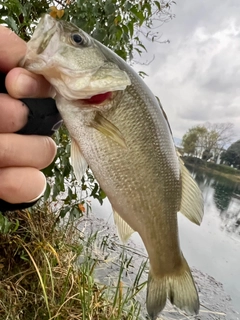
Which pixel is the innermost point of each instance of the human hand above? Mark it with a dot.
(21, 156)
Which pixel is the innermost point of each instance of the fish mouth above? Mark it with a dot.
(98, 98)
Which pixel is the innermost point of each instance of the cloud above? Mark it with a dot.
(197, 75)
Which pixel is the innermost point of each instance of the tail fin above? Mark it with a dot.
(179, 288)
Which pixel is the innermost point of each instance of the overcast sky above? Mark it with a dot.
(197, 75)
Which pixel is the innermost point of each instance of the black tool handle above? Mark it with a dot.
(43, 119)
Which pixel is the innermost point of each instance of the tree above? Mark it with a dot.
(189, 141)
(120, 25)
(193, 140)
(232, 156)
(207, 140)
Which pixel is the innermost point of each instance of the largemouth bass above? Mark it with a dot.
(120, 130)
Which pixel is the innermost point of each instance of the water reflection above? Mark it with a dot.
(225, 194)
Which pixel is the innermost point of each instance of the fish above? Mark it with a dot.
(119, 129)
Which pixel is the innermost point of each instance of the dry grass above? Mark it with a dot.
(41, 276)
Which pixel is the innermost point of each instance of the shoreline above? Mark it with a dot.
(232, 177)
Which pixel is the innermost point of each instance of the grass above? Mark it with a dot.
(47, 272)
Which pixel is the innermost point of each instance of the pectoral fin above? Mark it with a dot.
(192, 200)
(108, 129)
(78, 162)
(124, 230)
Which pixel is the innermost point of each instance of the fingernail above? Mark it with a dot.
(26, 86)
(41, 194)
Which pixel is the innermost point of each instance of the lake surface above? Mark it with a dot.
(214, 247)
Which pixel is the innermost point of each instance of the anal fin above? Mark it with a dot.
(124, 230)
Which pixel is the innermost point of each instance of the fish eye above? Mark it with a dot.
(77, 38)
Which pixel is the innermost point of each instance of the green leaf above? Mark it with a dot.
(127, 5)
(99, 34)
(148, 6)
(55, 192)
(102, 194)
(118, 33)
(95, 189)
(109, 7)
(125, 29)
(143, 74)
(131, 28)
(14, 229)
(75, 213)
(11, 24)
(47, 192)
(49, 170)
(5, 224)
(139, 51)
(142, 46)
(158, 5)
(24, 257)
(138, 14)
(122, 54)
(64, 211)
(117, 20)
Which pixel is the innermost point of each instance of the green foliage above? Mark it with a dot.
(7, 226)
(232, 155)
(116, 23)
(21, 15)
(189, 141)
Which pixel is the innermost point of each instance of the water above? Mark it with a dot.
(214, 247)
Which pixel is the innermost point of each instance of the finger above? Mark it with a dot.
(12, 50)
(21, 184)
(26, 151)
(21, 83)
(14, 112)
